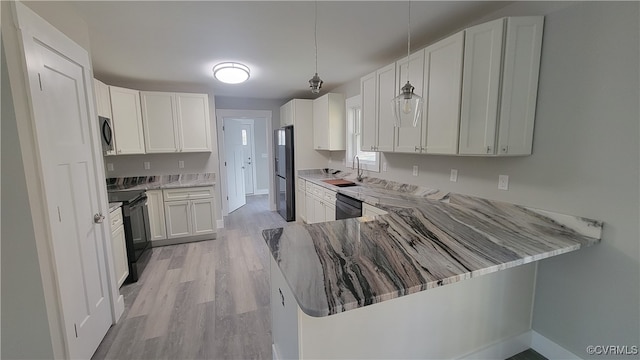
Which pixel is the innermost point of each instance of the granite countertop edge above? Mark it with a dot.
(159, 182)
(400, 201)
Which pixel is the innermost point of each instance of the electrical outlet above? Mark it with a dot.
(109, 166)
(454, 175)
(181, 164)
(384, 166)
(147, 165)
(415, 170)
(503, 182)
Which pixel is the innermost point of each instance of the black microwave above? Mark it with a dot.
(106, 134)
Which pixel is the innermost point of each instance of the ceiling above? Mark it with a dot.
(180, 41)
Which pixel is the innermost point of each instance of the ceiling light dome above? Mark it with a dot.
(231, 72)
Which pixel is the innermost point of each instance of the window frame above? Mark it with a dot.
(353, 112)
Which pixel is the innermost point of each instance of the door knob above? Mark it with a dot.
(98, 218)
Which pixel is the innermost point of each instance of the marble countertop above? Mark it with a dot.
(114, 206)
(427, 239)
(161, 181)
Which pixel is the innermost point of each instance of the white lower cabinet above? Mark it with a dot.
(119, 246)
(189, 212)
(155, 206)
(320, 204)
(301, 211)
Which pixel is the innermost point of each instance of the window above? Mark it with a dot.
(369, 160)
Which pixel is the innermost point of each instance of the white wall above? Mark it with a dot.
(585, 162)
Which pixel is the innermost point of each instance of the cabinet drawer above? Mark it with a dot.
(329, 196)
(115, 217)
(188, 193)
(309, 187)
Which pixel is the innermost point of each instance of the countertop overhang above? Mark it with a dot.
(428, 239)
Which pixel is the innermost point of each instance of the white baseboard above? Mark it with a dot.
(502, 349)
(549, 349)
(220, 224)
(261, 192)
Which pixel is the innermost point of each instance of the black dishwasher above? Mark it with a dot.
(347, 207)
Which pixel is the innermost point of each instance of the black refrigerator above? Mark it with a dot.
(285, 179)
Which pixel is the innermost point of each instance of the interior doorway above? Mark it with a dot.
(245, 148)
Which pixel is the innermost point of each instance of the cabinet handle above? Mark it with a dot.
(281, 296)
(505, 149)
(418, 148)
(488, 149)
(423, 149)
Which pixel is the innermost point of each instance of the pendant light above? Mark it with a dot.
(315, 83)
(407, 106)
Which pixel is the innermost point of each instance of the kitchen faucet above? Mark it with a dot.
(359, 171)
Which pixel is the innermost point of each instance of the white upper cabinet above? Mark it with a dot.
(443, 79)
(127, 120)
(386, 91)
(369, 129)
(329, 122)
(409, 139)
(193, 122)
(501, 64)
(159, 119)
(175, 122)
(378, 125)
(286, 114)
(103, 99)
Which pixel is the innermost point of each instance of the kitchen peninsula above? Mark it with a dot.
(339, 288)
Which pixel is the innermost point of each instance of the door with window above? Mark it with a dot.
(248, 157)
(234, 161)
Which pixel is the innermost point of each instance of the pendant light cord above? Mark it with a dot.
(409, 40)
(315, 33)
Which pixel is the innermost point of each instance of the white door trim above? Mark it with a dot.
(25, 24)
(221, 114)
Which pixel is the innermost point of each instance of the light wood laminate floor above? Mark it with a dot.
(203, 300)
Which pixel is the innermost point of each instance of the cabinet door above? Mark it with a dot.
(301, 208)
(369, 129)
(194, 125)
(121, 264)
(178, 218)
(284, 316)
(321, 123)
(480, 85)
(309, 208)
(409, 139)
(523, 43)
(156, 215)
(329, 212)
(202, 214)
(443, 76)
(386, 91)
(127, 120)
(318, 210)
(103, 99)
(286, 114)
(159, 121)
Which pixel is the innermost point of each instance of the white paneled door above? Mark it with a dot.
(248, 155)
(234, 160)
(60, 80)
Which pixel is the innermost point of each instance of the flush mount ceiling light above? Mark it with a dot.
(231, 72)
(315, 83)
(407, 106)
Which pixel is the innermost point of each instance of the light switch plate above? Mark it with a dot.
(503, 182)
(415, 170)
(147, 165)
(181, 164)
(109, 166)
(454, 175)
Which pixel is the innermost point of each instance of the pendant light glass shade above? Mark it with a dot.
(407, 107)
(315, 83)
